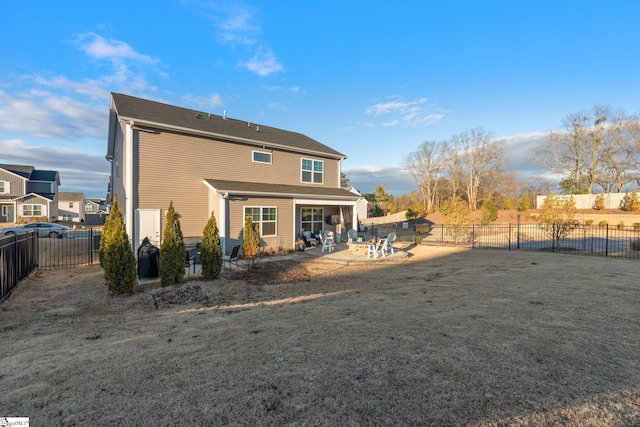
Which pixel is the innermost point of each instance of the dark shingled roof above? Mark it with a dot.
(159, 114)
(23, 171)
(280, 190)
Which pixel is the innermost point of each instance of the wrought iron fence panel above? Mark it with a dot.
(74, 249)
(18, 258)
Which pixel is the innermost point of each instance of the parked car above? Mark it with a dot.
(44, 229)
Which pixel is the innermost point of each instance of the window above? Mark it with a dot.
(88, 207)
(261, 157)
(31, 210)
(265, 217)
(70, 204)
(311, 219)
(313, 171)
(4, 187)
(5, 211)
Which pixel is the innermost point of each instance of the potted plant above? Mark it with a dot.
(301, 244)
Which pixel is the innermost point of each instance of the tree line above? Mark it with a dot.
(593, 151)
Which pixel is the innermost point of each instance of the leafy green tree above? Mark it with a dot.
(558, 216)
(211, 250)
(251, 240)
(116, 255)
(524, 204)
(488, 212)
(456, 217)
(172, 251)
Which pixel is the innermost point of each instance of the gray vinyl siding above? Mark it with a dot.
(16, 184)
(171, 167)
(117, 171)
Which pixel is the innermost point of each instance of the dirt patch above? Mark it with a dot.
(446, 337)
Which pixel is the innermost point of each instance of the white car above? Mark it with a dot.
(44, 229)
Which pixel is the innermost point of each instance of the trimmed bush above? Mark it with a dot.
(116, 255)
(589, 222)
(211, 251)
(636, 226)
(620, 225)
(599, 202)
(173, 253)
(251, 240)
(603, 223)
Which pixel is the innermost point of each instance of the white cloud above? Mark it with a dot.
(205, 103)
(98, 47)
(399, 112)
(262, 63)
(366, 178)
(48, 115)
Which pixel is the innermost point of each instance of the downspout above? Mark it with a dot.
(222, 211)
(128, 176)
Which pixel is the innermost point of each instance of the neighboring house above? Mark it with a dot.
(28, 194)
(71, 206)
(95, 211)
(206, 163)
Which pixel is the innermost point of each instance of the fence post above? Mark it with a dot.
(606, 243)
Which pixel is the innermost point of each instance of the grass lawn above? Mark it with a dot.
(445, 337)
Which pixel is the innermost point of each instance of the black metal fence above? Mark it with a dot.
(74, 249)
(18, 258)
(609, 241)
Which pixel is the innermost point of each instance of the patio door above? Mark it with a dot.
(312, 219)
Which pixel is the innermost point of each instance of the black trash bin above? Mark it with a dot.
(148, 260)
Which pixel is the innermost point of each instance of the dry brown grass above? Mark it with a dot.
(448, 337)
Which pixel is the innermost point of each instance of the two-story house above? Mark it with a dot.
(205, 163)
(28, 194)
(71, 206)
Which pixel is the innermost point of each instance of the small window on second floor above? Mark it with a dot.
(4, 187)
(261, 157)
(70, 204)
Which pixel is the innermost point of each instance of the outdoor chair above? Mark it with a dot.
(233, 258)
(326, 240)
(352, 235)
(377, 249)
(390, 239)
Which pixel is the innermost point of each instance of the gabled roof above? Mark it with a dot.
(48, 196)
(279, 190)
(20, 170)
(31, 173)
(158, 115)
(65, 196)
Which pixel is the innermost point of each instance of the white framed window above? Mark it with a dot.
(5, 210)
(261, 157)
(265, 217)
(32, 210)
(4, 187)
(88, 207)
(70, 204)
(312, 171)
(311, 219)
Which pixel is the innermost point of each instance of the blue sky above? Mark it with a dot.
(371, 79)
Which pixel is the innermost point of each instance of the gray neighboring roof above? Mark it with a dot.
(280, 190)
(48, 196)
(22, 170)
(156, 114)
(65, 196)
(31, 173)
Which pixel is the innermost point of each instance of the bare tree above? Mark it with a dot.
(480, 157)
(426, 166)
(590, 148)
